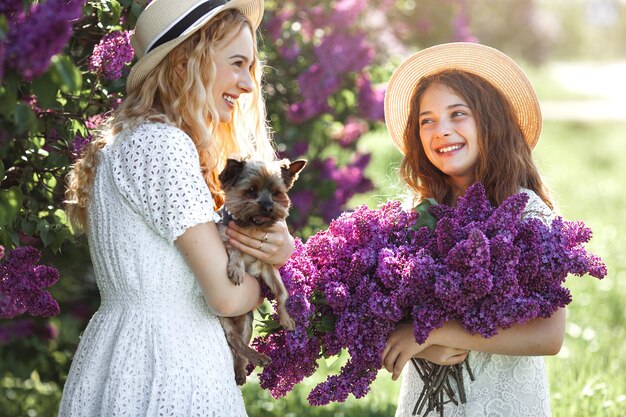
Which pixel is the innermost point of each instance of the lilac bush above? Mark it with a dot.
(324, 93)
(487, 267)
(22, 283)
(35, 36)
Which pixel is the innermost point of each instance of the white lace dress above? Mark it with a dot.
(153, 348)
(504, 386)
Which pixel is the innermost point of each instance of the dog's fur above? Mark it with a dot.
(255, 198)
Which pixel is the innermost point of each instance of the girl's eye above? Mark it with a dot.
(458, 113)
(238, 64)
(425, 121)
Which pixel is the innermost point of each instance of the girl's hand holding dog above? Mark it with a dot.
(274, 246)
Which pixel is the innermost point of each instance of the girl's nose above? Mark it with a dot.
(245, 83)
(443, 129)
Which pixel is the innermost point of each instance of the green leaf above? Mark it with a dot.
(10, 205)
(46, 91)
(8, 97)
(268, 326)
(110, 13)
(326, 324)
(425, 219)
(5, 240)
(29, 227)
(24, 118)
(66, 74)
(60, 237)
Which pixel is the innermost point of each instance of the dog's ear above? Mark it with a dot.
(229, 175)
(290, 170)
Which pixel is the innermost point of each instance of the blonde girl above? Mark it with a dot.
(145, 193)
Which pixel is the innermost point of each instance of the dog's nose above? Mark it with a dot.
(267, 206)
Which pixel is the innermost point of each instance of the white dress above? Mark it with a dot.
(504, 386)
(153, 348)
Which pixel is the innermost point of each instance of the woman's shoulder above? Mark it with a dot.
(150, 136)
(536, 207)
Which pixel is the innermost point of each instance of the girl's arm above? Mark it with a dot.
(538, 337)
(205, 254)
(535, 338)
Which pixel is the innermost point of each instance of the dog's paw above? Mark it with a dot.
(287, 322)
(240, 376)
(259, 359)
(235, 272)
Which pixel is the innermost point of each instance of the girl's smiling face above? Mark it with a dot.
(233, 60)
(449, 134)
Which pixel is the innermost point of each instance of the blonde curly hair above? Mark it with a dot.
(184, 102)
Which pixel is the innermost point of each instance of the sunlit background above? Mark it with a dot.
(327, 65)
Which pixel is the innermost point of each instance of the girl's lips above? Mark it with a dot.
(230, 100)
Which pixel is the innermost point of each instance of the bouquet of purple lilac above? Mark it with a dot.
(349, 285)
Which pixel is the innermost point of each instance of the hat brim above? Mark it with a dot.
(251, 9)
(489, 63)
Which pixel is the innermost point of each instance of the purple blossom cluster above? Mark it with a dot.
(111, 55)
(349, 180)
(371, 99)
(342, 289)
(487, 267)
(19, 329)
(339, 51)
(79, 144)
(35, 36)
(22, 283)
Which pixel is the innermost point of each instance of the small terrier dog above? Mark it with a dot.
(255, 198)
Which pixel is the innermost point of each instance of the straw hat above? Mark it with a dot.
(489, 63)
(165, 24)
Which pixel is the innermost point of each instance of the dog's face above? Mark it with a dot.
(256, 192)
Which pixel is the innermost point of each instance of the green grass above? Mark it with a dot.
(584, 166)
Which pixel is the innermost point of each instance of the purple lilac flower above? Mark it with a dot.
(79, 144)
(349, 180)
(371, 100)
(352, 283)
(289, 50)
(17, 329)
(43, 32)
(340, 53)
(460, 23)
(22, 282)
(11, 7)
(352, 130)
(274, 25)
(111, 55)
(2, 57)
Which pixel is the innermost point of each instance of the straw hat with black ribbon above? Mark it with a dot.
(489, 63)
(165, 24)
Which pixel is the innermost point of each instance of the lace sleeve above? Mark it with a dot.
(156, 168)
(537, 209)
